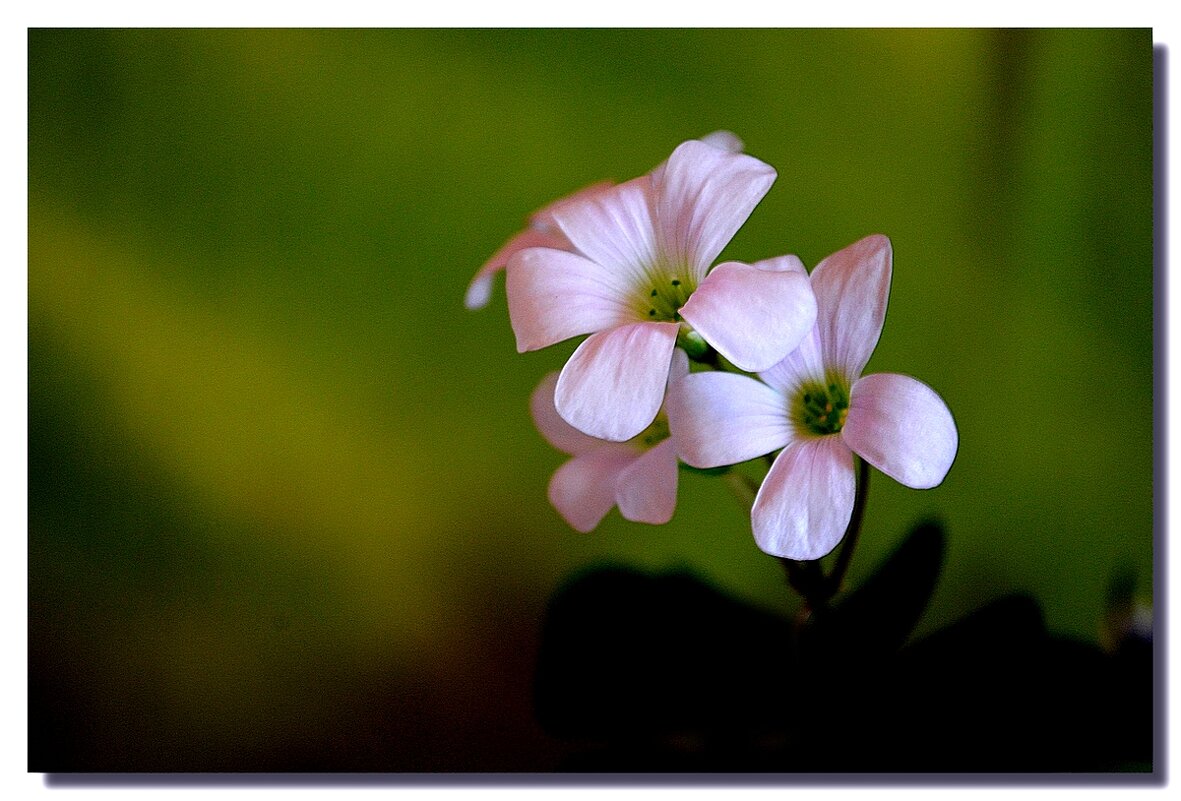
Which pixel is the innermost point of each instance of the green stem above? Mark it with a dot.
(808, 578)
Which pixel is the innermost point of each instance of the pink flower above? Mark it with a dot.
(640, 276)
(820, 410)
(543, 232)
(638, 476)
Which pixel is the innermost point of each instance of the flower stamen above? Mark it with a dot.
(820, 410)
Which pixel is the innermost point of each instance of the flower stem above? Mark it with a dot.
(845, 555)
(808, 578)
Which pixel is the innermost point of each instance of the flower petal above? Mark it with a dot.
(583, 489)
(852, 288)
(805, 363)
(613, 227)
(557, 432)
(544, 217)
(902, 427)
(725, 418)
(613, 384)
(723, 140)
(789, 263)
(702, 197)
(679, 368)
(479, 291)
(554, 295)
(646, 491)
(806, 501)
(752, 316)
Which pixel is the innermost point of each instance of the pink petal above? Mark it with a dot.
(583, 489)
(544, 217)
(647, 488)
(479, 291)
(806, 501)
(902, 427)
(557, 431)
(723, 140)
(554, 295)
(852, 288)
(752, 316)
(725, 418)
(805, 363)
(702, 197)
(679, 368)
(613, 384)
(613, 228)
(788, 263)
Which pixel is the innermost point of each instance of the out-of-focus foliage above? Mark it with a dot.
(286, 505)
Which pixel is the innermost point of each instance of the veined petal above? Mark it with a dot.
(724, 418)
(479, 291)
(583, 489)
(852, 289)
(679, 368)
(806, 501)
(702, 197)
(614, 383)
(902, 427)
(557, 432)
(753, 316)
(554, 295)
(805, 363)
(613, 228)
(544, 217)
(646, 490)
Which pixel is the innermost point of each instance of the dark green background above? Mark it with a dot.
(286, 505)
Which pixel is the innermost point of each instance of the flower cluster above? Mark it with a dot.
(632, 266)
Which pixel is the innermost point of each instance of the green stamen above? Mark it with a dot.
(820, 410)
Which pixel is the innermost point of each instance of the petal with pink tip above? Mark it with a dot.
(583, 489)
(804, 506)
(702, 197)
(479, 291)
(557, 432)
(613, 384)
(722, 418)
(646, 491)
(852, 289)
(902, 427)
(554, 295)
(752, 316)
(613, 228)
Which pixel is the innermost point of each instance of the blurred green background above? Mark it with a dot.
(286, 504)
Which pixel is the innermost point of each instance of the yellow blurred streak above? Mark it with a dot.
(235, 416)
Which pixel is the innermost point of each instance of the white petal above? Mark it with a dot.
(583, 489)
(554, 295)
(702, 197)
(723, 140)
(754, 317)
(902, 427)
(557, 431)
(544, 217)
(723, 418)
(852, 289)
(647, 488)
(613, 384)
(806, 501)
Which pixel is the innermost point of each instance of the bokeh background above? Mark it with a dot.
(286, 504)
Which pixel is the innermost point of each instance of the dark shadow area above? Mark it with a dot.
(663, 673)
